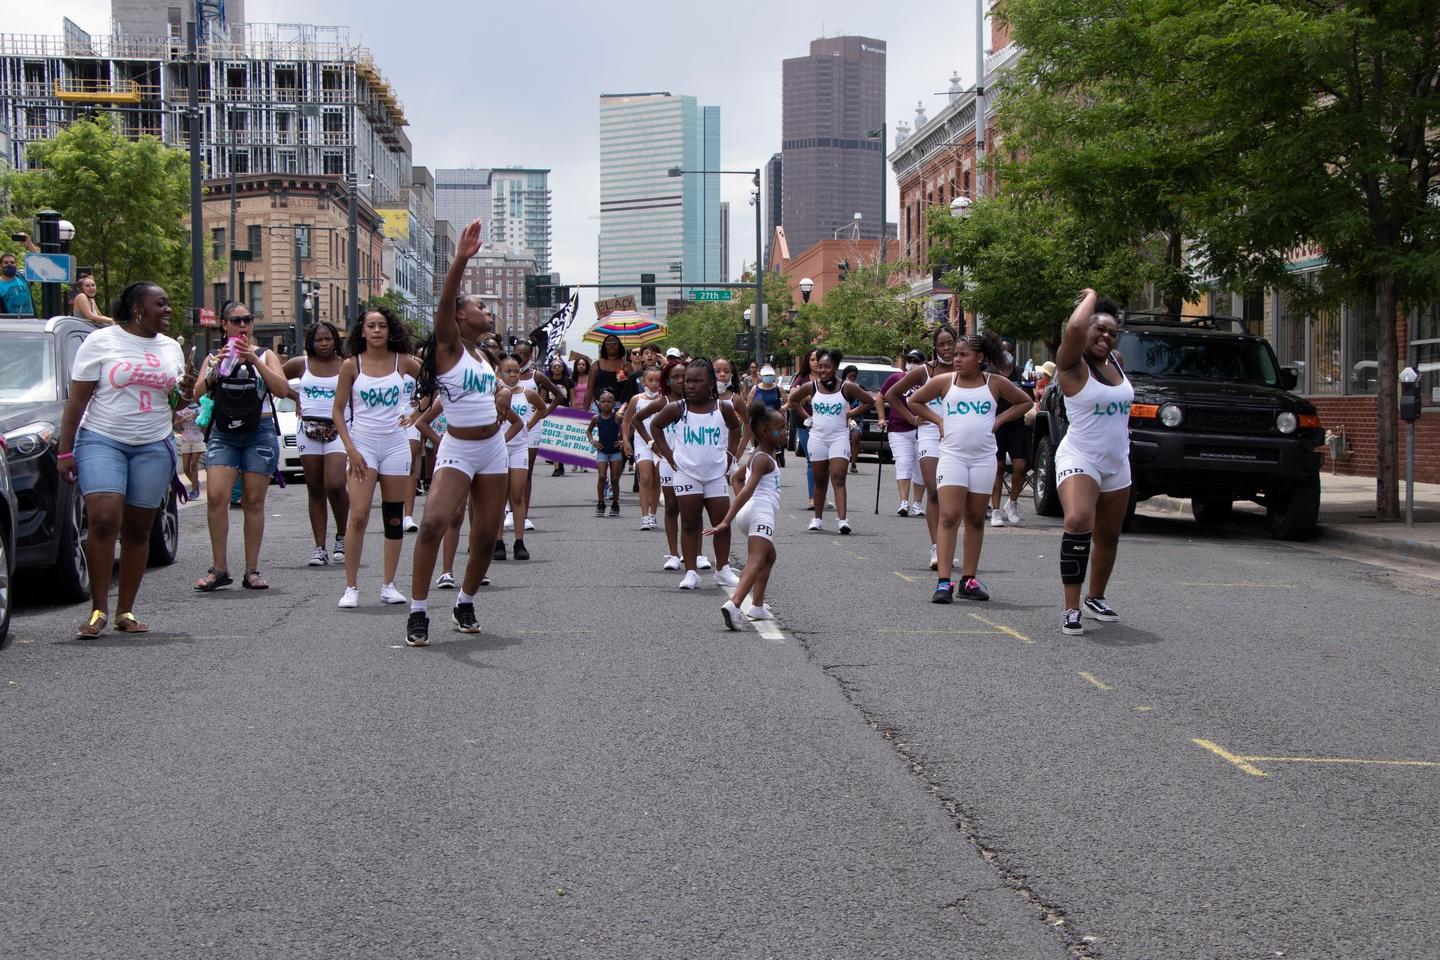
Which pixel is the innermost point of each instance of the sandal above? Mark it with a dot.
(92, 628)
(213, 580)
(126, 623)
(253, 581)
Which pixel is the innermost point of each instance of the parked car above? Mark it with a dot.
(7, 542)
(873, 372)
(289, 416)
(1214, 420)
(35, 361)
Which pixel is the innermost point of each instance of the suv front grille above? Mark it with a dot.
(1229, 421)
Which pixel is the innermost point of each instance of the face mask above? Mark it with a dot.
(768, 381)
(723, 385)
(9, 270)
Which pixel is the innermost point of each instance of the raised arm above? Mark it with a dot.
(1071, 354)
(447, 328)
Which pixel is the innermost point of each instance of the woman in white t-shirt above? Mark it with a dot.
(116, 440)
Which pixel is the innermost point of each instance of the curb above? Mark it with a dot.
(1401, 546)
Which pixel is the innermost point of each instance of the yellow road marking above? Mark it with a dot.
(905, 578)
(940, 633)
(1093, 680)
(1143, 709)
(1378, 763)
(1008, 631)
(1229, 757)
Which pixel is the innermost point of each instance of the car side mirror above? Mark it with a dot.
(1289, 378)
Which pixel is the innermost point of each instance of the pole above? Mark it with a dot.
(760, 354)
(299, 298)
(47, 236)
(234, 208)
(197, 210)
(979, 101)
(1410, 474)
(884, 189)
(352, 275)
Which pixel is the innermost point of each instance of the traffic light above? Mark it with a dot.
(647, 289)
(532, 291)
(561, 295)
(542, 281)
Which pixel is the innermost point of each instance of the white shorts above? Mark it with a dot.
(533, 442)
(643, 450)
(687, 487)
(1111, 476)
(316, 448)
(927, 442)
(518, 456)
(820, 449)
(667, 472)
(755, 521)
(902, 448)
(474, 458)
(412, 434)
(389, 453)
(976, 474)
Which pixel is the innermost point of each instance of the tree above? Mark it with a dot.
(128, 199)
(1019, 262)
(870, 312)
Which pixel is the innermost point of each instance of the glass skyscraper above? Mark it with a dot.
(512, 203)
(651, 222)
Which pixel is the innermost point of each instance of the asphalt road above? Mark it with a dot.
(608, 772)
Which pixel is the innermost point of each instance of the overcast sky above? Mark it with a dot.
(517, 83)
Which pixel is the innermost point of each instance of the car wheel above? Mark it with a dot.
(1211, 513)
(165, 534)
(1295, 515)
(7, 557)
(70, 577)
(1047, 497)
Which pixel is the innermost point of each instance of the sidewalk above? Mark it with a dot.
(1347, 515)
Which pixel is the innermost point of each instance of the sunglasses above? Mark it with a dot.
(246, 319)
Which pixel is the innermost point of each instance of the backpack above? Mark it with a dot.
(237, 400)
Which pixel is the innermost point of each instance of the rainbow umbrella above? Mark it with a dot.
(633, 328)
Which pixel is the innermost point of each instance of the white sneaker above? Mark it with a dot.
(997, 519)
(904, 510)
(672, 563)
(528, 524)
(644, 523)
(762, 612)
(726, 577)
(702, 562)
(318, 557)
(816, 524)
(350, 599)
(446, 582)
(409, 525)
(917, 509)
(691, 580)
(843, 526)
(509, 520)
(1012, 513)
(733, 618)
(934, 557)
(388, 594)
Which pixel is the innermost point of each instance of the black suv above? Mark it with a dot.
(35, 361)
(1213, 420)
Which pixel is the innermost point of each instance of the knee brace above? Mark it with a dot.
(1074, 557)
(392, 512)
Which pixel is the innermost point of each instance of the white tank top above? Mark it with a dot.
(969, 421)
(1099, 418)
(409, 391)
(520, 404)
(701, 442)
(468, 389)
(828, 420)
(645, 400)
(767, 493)
(317, 394)
(377, 403)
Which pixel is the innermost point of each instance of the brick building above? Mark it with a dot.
(498, 274)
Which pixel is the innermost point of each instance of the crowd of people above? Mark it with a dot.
(708, 448)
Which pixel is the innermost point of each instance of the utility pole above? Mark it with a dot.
(299, 296)
(884, 191)
(979, 99)
(352, 275)
(234, 209)
(197, 220)
(760, 352)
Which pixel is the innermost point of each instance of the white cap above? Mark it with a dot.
(767, 371)
(672, 352)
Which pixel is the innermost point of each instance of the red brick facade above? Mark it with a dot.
(1356, 416)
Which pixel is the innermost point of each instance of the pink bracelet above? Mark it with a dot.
(65, 456)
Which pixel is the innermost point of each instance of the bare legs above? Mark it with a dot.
(325, 481)
(109, 518)
(756, 575)
(1100, 514)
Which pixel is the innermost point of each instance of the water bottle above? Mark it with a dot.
(1029, 369)
(230, 359)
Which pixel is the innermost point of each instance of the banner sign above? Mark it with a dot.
(563, 437)
(609, 305)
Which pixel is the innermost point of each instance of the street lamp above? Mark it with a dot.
(67, 231)
(806, 285)
(960, 208)
(759, 270)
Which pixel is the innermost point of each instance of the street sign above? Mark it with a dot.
(611, 304)
(710, 296)
(207, 317)
(49, 268)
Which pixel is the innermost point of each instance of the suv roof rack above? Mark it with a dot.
(1207, 322)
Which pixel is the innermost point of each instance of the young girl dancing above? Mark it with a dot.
(756, 506)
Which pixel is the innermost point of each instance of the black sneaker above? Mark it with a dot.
(520, 553)
(1073, 625)
(599, 508)
(499, 553)
(944, 592)
(1100, 610)
(614, 509)
(463, 616)
(973, 589)
(417, 629)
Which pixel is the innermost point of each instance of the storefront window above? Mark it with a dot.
(1425, 353)
(1327, 369)
(1361, 346)
(1333, 350)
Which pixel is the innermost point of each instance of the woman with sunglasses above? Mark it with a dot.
(242, 379)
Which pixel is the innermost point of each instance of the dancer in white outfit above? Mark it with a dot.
(829, 399)
(967, 422)
(638, 448)
(322, 455)
(927, 435)
(368, 410)
(1092, 463)
(755, 507)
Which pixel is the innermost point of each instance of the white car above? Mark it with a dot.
(289, 416)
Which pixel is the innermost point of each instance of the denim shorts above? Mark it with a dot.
(141, 472)
(254, 452)
(603, 457)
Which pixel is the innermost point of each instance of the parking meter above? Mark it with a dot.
(1409, 395)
